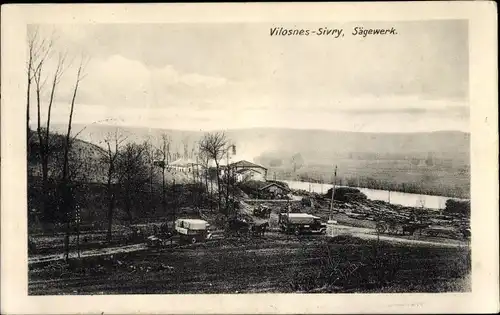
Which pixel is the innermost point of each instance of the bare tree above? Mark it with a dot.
(38, 51)
(204, 160)
(214, 146)
(132, 174)
(79, 77)
(185, 147)
(67, 194)
(164, 153)
(151, 154)
(113, 143)
(58, 73)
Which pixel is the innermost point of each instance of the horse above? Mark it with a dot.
(259, 229)
(238, 227)
(465, 233)
(412, 227)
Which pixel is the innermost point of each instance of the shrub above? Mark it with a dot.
(346, 194)
(457, 207)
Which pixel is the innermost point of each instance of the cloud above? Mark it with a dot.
(178, 75)
(451, 111)
(118, 81)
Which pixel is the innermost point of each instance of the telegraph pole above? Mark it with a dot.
(333, 192)
(174, 199)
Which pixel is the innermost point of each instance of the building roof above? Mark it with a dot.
(273, 184)
(245, 170)
(246, 164)
(183, 162)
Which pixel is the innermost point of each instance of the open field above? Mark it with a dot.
(274, 263)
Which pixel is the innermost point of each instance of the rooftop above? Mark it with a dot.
(244, 163)
(274, 184)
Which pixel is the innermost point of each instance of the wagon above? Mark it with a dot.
(192, 230)
(443, 231)
(299, 223)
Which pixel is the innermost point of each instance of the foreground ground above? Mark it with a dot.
(274, 263)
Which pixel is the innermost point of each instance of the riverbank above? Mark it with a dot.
(392, 197)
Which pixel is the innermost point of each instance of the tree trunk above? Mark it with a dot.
(219, 199)
(49, 111)
(210, 194)
(65, 165)
(174, 198)
(128, 202)
(111, 198)
(163, 192)
(111, 206)
(28, 115)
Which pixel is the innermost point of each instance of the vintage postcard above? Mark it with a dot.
(266, 158)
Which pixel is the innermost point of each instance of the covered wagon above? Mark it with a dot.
(192, 230)
(299, 223)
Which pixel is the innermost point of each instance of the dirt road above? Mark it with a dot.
(363, 233)
(88, 253)
(370, 234)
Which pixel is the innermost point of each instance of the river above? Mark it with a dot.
(394, 197)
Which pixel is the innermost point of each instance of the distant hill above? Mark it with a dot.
(313, 145)
(433, 161)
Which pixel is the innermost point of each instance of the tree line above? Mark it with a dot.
(43, 81)
(63, 170)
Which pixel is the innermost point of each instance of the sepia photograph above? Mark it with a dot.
(244, 157)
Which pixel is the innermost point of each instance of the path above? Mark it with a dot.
(88, 253)
(366, 233)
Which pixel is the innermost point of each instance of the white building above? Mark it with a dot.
(246, 170)
(185, 165)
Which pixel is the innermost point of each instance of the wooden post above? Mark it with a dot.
(174, 197)
(78, 230)
(333, 192)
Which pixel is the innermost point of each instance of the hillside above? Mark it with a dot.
(85, 158)
(423, 162)
(316, 144)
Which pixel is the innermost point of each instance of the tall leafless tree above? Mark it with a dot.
(80, 75)
(204, 160)
(164, 156)
(38, 51)
(65, 180)
(214, 146)
(151, 154)
(132, 174)
(185, 147)
(113, 142)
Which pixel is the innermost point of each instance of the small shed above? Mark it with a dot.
(274, 189)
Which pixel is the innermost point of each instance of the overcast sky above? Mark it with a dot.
(216, 76)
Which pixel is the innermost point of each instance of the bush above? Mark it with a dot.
(457, 207)
(251, 188)
(346, 194)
